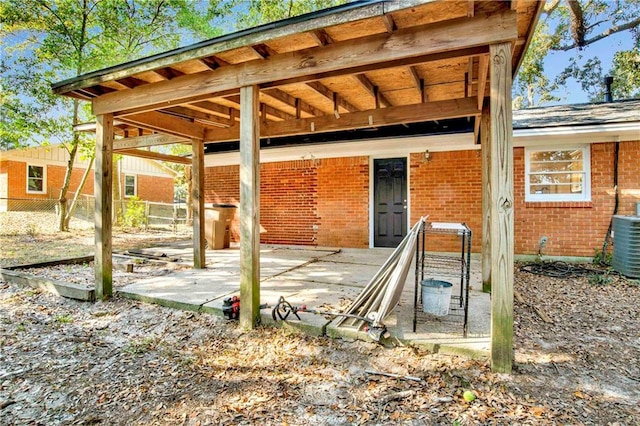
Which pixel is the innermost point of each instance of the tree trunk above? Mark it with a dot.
(74, 203)
(188, 175)
(117, 190)
(62, 199)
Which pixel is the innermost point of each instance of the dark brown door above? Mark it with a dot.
(390, 201)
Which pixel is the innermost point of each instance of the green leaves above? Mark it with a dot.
(574, 26)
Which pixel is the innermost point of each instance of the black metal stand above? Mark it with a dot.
(436, 265)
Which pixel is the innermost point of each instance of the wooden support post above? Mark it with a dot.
(249, 207)
(501, 209)
(197, 203)
(103, 262)
(485, 145)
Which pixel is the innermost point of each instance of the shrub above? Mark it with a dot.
(134, 215)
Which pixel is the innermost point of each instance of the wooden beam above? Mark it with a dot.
(415, 76)
(501, 209)
(266, 109)
(103, 262)
(207, 49)
(514, 4)
(469, 75)
(164, 123)
(438, 110)
(263, 50)
(328, 93)
(286, 98)
(197, 202)
(309, 63)
(389, 23)
(202, 117)
(144, 141)
(483, 73)
(222, 110)
(485, 146)
(470, 8)
(372, 90)
(168, 73)
(249, 207)
(321, 37)
(158, 156)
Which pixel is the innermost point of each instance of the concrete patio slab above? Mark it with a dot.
(321, 279)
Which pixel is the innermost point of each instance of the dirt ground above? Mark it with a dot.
(124, 362)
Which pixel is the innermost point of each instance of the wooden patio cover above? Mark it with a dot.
(364, 64)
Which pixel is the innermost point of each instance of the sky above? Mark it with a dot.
(603, 49)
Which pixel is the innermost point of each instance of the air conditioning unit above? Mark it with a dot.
(626, 245)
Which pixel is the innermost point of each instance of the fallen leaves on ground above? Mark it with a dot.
(123, 362)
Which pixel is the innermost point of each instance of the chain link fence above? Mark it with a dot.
(35, 216)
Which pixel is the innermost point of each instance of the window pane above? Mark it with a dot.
(558, 166)
(565, 155)
(35, 185)
(35, 178)
(129, 186)
(36, 172)
(556, 178)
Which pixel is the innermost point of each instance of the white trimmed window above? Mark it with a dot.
(130, 189)
(558, 174)
(35, 179)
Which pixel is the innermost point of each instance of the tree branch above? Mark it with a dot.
(615, 29)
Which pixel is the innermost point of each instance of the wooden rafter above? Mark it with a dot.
(321, 37)
(204, 117)
(217, 109)
(389, 23)
(131, 82)
(329, 94)
(168, 73)
(372, 90)
(471, 8)
(342, 57)
(268, 110)
(438, 110)
(165, 123)
(292, 101)
(483, 74)
(151, 155)
(145, 141)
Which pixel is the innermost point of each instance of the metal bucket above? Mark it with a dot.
(436, 296)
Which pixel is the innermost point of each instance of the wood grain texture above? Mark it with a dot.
(197, 202)
(141, 153)
(501, 209)
(438, 110)
(103, 262)
(485, 144)
(164, 123)
(401, 44)
(249, 207)
(145, 141)
(202, 50)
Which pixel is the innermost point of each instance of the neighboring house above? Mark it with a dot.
(366, 193)
(38, 173)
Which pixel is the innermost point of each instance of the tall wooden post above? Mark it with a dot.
(197, 203)
(501, 209)
(249, 207)
(103, 262)
(485, 144)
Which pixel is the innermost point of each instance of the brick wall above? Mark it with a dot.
(152, 188)
(448, 189)
(343, 202)
(577, 228)
(334, 195)
(55, 178)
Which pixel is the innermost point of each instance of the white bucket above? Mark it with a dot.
(436, 296)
